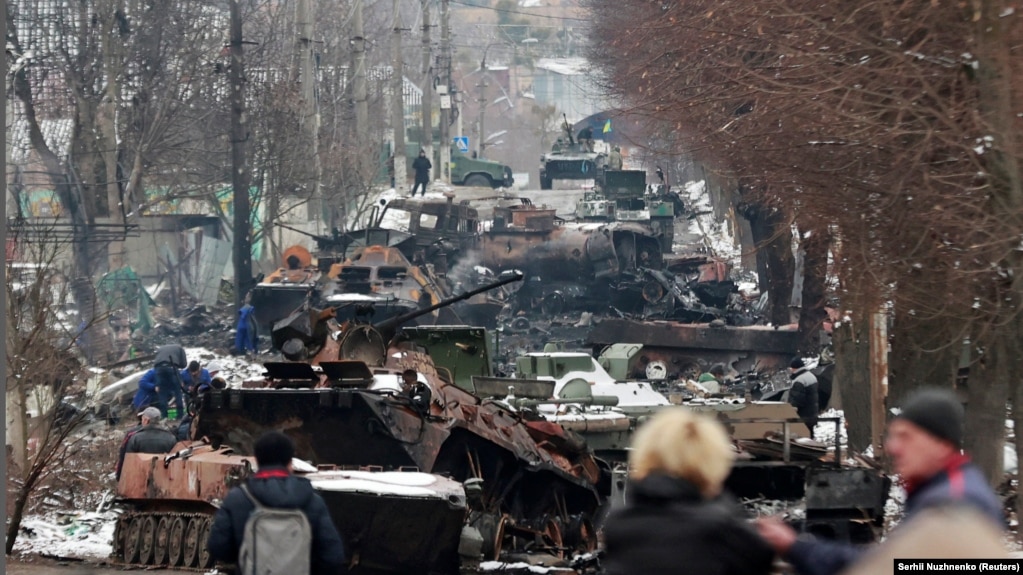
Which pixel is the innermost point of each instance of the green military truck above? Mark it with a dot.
(466, 170)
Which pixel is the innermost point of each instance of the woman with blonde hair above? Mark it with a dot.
(675, 520)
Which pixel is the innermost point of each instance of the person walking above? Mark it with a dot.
(675, 519)
(803, 393)
(924, 443)
(422, 167)
(246, 335)
(169, 360)
(274, 486)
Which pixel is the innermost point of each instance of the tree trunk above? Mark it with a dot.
(925, 352)
(240, 173)
(815, 270)
(773, 237)
(852, 379)
(987, 393)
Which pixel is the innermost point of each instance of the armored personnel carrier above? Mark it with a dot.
(339, 398)
(392, 522)
(570, 159)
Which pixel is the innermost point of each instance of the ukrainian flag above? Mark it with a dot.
(607, 126)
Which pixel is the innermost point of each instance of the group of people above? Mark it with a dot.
(171, 378)
(678, 515)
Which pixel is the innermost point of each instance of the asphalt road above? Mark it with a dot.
(49, 567)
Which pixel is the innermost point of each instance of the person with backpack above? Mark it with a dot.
(274, 523)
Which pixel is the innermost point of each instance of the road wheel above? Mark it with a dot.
(148, 538)
(552, 538)
(191, 544)
(132, 540)
(478, 181)
(176, 542)
(205, 561)
(160, 545)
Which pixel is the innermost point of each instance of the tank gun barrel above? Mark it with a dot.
(388, 326)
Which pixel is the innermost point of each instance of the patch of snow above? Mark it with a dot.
(81, 536)
(499, 566)
(402, 484)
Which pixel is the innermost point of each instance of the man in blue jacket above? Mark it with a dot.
(195, 376)
(146, 394)
(924, 442)
(275, 486)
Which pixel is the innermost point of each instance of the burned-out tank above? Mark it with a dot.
(284, 289)
(398, 522)
(340, 399)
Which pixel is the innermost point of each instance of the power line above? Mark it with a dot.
(520, 13)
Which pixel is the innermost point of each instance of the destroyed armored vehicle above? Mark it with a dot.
(283, 291)
(169, 501)
(339, 398)
(620, 195)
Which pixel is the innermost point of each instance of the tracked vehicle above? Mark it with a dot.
(338, 397)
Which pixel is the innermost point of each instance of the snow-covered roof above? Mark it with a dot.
(564, 66)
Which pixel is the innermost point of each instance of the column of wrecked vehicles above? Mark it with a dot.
(512, 456)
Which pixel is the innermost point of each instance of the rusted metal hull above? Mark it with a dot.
(390, 523)
(576, 252)
(684, 345)
(362, 428)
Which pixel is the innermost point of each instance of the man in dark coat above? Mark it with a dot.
(169, 360)
(924, 443)
(803, 393)
(275, 486)
(422, 167)
(151, 437)
(675, 518)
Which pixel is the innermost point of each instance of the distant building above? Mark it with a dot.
(568, 84)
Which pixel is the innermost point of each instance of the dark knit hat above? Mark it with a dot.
(797, 363)
(936, 411)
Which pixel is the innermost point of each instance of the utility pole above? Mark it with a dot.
(361, 106)
(446, 96)
(398, 105)
(426, 140)
(304, 58)
(482, 100)
(240, 172)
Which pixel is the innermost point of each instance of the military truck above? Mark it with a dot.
(466, 170)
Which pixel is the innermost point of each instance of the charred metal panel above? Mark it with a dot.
(684, 345)
(202, 476)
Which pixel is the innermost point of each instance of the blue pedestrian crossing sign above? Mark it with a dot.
(463, 144)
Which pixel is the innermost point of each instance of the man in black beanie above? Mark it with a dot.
(924, 444)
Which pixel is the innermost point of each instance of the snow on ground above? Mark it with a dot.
(234, 369)
(499, 567)
(81, 535)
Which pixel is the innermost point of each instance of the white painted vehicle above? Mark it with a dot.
(569, 369)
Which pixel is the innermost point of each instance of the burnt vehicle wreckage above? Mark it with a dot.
(494, 470)
(490, 479)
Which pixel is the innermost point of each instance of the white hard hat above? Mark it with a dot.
(214, 366)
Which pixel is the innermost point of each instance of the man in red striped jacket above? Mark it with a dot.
(924, 443)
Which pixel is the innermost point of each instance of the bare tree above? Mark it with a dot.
(42, 370)
(889, 125)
